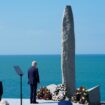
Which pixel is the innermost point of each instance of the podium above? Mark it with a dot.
(65, 103)
(20, 73)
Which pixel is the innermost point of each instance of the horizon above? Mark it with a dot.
(34, 27)
(42, 54)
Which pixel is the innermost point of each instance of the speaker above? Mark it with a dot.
(65, 103)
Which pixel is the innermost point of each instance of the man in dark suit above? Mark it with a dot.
(1, 90)
(33, 80)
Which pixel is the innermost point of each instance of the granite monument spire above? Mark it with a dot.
(68, 51)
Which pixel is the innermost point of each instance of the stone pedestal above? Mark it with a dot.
(94, 95)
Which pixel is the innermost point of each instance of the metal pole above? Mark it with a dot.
(20, 89)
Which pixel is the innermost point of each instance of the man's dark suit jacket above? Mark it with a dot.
(1, 88)
(33, 76)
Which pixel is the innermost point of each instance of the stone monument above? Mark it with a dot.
(68, 51)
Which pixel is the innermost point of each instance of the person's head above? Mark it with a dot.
(34, 64)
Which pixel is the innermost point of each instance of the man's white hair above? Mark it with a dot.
(34, 63)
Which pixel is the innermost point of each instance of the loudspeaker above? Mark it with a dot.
(65, 103)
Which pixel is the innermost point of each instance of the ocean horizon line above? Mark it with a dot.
(43, 54)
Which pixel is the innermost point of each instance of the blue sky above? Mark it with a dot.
(34, 26)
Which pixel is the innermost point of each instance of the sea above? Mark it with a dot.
(90, 72)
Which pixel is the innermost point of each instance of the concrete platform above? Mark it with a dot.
(27, 102)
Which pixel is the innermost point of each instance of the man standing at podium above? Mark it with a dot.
(33, 80)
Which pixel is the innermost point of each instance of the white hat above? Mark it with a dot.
(34, 63)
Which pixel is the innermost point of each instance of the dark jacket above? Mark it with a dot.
(1, 88)
(33, 76)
